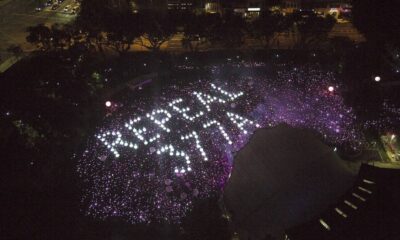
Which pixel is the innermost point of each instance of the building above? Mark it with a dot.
(158, 5)
(295, 4)
(169, 5)
(337, 8)
(180, 5)
(264, 196)
(369, 210)
(213, 7)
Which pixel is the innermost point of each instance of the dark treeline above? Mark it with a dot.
(114, 25)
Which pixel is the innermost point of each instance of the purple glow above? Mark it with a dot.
(141, 178)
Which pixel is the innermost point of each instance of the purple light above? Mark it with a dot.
(163, 152)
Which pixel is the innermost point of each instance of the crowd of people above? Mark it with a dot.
(169, 145)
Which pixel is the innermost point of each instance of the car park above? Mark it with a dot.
(48, 3)
(55, 6)
(67, 9)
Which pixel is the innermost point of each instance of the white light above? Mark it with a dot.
(331, 88)
(149, 135)
(377, 78)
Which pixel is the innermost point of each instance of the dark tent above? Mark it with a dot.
(281, 178)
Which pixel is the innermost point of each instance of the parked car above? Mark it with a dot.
(55, 6)
(67, 8)
(49, 3)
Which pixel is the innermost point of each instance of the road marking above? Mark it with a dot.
(324, 224)
(340, 212)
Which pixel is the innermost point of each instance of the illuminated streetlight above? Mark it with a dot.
(108, 104)
(331, 88)
(377, 78)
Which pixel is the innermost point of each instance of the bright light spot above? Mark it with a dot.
(108, 104)
(392, 137)
(331, 88)
(377, 79)
(255, 9)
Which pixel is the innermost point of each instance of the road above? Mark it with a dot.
(282, 41)
(16, 16)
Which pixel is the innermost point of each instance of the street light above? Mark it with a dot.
(331, 88)
(108, 104)
(377, 78)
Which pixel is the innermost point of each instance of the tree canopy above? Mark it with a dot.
(378, 20)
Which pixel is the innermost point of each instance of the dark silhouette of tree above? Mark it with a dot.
(40, 35)
(340, 46)
(379, 23)
(378, 20)
(16, 50)
(57, 37)
(157, 29)
(62, 36)
(230, 31)
(267, 26)
(205, 222)
(122, 33)
(94, 18)
(47, 115)
(312, 30)
(198, 30)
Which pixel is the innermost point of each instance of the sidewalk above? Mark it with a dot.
(4, 2)
(6, 64)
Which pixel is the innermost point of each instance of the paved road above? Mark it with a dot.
(16, 16)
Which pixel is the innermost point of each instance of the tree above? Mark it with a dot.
(157, 29)
(197, 30)
(57, 37)
(206, 222)
(378, 20)
(229, 31)
(16, 50)
(340, 46)
(312, 30)
(40, 35)
(267, 25)
(379, 23)
(123, 32)
(44, 109)
(95, 17)
(62, 36)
